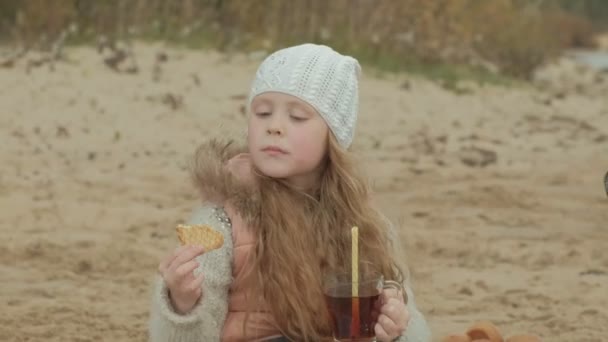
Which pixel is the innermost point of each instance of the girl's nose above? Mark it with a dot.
(274, 131)
(275, 126)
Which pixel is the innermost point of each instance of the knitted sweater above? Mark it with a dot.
(205, 322)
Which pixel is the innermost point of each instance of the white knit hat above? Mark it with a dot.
(321, 77)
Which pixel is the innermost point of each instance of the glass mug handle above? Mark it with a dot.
(391, 284)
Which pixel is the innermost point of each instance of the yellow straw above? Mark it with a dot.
(355, 261)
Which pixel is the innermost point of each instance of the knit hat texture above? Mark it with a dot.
(319, 76)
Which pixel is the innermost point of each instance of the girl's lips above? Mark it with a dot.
(274, 150)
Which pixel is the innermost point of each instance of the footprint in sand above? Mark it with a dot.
(478, 157)
(83, 266)
(606, 183)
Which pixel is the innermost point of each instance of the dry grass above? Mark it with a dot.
(508, 36)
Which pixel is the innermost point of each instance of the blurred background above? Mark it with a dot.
(512, 37)
(483, 125)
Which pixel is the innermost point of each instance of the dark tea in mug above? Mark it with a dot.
(353, 319)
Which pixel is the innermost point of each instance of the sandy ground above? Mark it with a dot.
(498, 193)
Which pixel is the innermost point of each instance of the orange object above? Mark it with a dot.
(355, 326)
(456, 338)
(524, 338)
(484, 331)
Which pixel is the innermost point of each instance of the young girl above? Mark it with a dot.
(285, 202)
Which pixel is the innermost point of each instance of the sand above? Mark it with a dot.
(498, 192)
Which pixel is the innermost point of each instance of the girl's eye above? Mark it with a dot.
(262, 114)
(297, 118)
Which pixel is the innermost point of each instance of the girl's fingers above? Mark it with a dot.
(185, 255)
(389, 326)
(381, 334)
(394, 309)
(387, 294)
(164, 264)
(197, 283)
(397, 312)
(390, 293)
(198, 293)
(186, 270)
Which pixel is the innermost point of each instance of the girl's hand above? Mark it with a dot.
(177, 270)
(393, 318)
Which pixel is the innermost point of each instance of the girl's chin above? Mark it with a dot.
(275, 174)
(272, 172)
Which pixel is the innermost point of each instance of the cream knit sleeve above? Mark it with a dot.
(417, 329)
(206, 320)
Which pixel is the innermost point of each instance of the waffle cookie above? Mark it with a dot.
(201, 235)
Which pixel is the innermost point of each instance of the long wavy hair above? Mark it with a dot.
(302, 235)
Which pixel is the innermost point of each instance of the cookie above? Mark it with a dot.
(201, 235)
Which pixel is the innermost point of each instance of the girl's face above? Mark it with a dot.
(287, 138)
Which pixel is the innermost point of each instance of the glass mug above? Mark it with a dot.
(341, 304)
